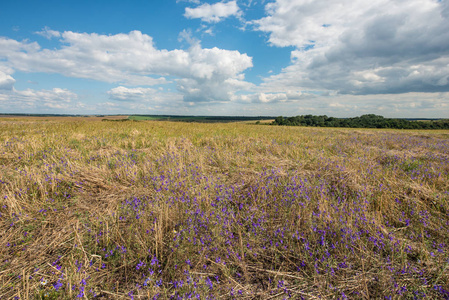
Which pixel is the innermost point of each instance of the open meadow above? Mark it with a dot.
(172, 210)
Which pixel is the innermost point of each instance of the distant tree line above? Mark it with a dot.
(365, 121)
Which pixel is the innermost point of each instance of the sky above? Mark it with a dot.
(341, 58)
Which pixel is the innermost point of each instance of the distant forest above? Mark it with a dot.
(365, 121)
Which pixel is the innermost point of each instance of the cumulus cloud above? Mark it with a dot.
(144, 100)
(212, 13)
(355, 47)
(122, 93)
(424, 105)
(100, 57)
(273, 97)
(6, 81)
(214, 76)
(38, 100)
(130, 59)
(409, 104)
(220, 89)
(186, 35)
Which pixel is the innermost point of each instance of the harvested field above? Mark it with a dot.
(171, 210)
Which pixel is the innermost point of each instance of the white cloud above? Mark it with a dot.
(407, 104)
(424, 105)
(272, 97)
(356, 47)
(147, 96)
(10, 46)
(143, 100)
(213, 13)
(6, 81)
(48, 33)
(130, 59)
(130, 94)
(186, 35)
(190, 1)
(39, 100)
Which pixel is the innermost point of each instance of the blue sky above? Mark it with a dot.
(281, 57)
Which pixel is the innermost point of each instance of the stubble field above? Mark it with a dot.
(169, 210)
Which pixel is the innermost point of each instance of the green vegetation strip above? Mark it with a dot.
(365, 121)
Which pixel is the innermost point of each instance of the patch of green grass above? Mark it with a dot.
(411, 165)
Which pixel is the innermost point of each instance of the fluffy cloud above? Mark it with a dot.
(144, 100)
(409, 104)
(130, 59)
(272, 97)
(213, 13)
(424, 105)
(355, 47)
(6, 81)
(122, 93)
(39, 100)
(218, 90)
(100, 57)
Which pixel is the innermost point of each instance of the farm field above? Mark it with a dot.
(198, 119)
(173, 210)
(46, 118)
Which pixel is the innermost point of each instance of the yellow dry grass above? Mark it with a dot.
(71, 190)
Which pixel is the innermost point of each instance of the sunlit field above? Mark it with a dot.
(171, 210)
